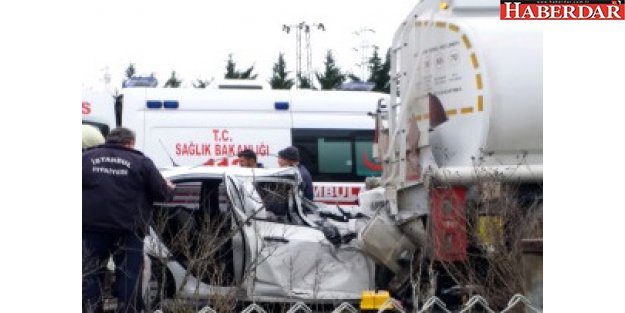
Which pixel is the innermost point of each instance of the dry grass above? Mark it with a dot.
(498, 217)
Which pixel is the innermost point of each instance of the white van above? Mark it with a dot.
(98, 109)
(332, 130)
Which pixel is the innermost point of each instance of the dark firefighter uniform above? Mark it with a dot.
(119, 185)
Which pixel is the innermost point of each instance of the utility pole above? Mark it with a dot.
(106, 78)
(306, 28)
(363, 48)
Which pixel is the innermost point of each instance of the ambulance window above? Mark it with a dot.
(365, 166)
(335, 156)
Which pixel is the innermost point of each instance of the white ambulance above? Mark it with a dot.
(98, 109)
(208, 127)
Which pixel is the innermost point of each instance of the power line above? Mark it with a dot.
(363, 48)
(306, 28)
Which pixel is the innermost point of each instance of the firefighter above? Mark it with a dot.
(119, 185)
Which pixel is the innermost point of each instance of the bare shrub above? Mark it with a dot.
(200, 239)
(500, 214)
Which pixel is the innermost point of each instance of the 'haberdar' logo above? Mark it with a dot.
(562, 10)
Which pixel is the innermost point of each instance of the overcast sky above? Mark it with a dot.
(195, 37)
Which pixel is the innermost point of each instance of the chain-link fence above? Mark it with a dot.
(433, 304)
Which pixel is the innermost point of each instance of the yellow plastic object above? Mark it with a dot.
(444, 5)
(370, 300)
(367, 300)
(490, 229)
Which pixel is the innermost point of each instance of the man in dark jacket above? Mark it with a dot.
(119, 185)
(289, 156)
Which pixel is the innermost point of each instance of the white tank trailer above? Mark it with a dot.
(466, 108)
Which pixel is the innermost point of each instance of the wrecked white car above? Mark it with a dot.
(249, 234)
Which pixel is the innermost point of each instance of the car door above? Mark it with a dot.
(245, 205)
(290, 258)
(201, 236)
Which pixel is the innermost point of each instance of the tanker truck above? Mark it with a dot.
(459, 202)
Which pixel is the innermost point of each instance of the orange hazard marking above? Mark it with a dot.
(419, 117)
(466, 110)
(451, 112)
(479, 106)
(466, 41)
(474, 60)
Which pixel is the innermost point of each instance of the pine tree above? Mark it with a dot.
(385, 75)
(375, 67)
(332, 76)
(173, 81)
(233, 73)
(230, 68)
(304, 82)
(247, 74)
(201, 83)
(280, 79)
(130, 71)
(380, 71)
